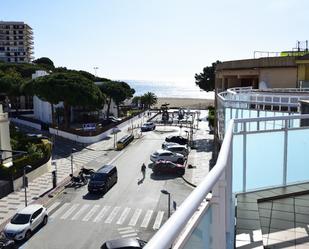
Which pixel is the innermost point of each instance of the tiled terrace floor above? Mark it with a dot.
(274, 218)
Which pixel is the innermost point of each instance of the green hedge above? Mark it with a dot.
(211, 116)
(38, 154)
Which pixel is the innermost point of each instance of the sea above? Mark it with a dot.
(169, 89)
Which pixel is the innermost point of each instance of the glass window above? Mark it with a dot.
(20, 219)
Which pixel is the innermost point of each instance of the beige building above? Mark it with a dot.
(270, 72)
(16, 42)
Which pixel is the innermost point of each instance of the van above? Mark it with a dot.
(103, 179)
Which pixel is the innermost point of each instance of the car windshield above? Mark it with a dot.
(20, 219)
(98, 177)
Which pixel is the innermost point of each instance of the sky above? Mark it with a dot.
(158, 40)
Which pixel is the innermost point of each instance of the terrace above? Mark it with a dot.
(256, 196)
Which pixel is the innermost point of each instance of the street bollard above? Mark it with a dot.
(54, 176)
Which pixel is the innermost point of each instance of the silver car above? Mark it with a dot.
(166, 155)
(176, 148)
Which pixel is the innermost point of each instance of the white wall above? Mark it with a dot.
(41, 109)
(5, 143)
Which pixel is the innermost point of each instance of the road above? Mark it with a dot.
(132, 208)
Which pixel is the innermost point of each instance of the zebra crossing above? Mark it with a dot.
(85, 157)
(130, 217)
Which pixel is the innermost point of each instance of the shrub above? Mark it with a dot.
(38, 154)
(211, 116)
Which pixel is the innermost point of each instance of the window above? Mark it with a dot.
(36, 213)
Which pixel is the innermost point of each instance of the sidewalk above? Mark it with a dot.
(199, 157)
(41, 185)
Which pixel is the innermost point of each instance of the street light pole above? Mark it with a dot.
(26, 182)
(72, 151)
(163, 191)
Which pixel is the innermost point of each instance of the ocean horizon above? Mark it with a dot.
(169, 89)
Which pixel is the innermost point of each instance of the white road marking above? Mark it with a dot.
(127, 231)
(112, 215)
(115, 158)
(80, 211)
(147, 218)
(124, 228)
(101, 214)
(69, 211)
(135, 217)
(91, 212)
(52, 207)
(129, 235)
(63, 207)
(158, 220)
(123, 216)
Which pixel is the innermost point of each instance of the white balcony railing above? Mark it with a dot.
(219, 182)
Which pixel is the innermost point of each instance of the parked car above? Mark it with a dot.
(103, 179)
(6, 243)
(167, 167)
(181, 149)
(124, 243)
(166, 144)
(166, 155)
(149, 126)
(177, 139)
(113, 118)
(26, 221)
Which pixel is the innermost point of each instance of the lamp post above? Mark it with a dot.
(163, 191)
(72, 151)
(95, 71)
(27, 167)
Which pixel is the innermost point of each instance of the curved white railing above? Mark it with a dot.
(169, 232)
(274, 96)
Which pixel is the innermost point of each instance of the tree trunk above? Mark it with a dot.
(117, 111)
(108, 107)
(53, 114)
(66, 109)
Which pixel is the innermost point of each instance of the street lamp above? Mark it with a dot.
(95, 71)
(163, 191)
(27, 167)
(72, 151)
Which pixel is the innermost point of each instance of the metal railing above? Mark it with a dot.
(170, 231)
(264, 99)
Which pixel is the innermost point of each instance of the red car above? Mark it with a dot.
(167, 167)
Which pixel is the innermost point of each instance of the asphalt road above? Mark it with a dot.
(132, 208)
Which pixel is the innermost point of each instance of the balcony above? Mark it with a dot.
(245, 200)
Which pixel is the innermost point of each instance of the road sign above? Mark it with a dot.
(89, 127)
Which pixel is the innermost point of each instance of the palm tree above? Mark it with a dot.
(149, 99)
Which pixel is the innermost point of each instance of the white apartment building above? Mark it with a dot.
(16, 42)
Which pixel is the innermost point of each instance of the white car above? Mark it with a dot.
(26, 221)
(177, 148)
(166, 144)
(166, 155)
(149, 126)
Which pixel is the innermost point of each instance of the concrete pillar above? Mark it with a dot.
(5, 143)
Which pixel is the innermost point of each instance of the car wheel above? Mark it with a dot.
(28, 235)
(45, 220)
(180, 172)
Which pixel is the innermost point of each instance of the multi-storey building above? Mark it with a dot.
(16, 42)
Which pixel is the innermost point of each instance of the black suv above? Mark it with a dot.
(177, 139)
(103, 179)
